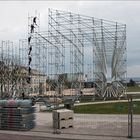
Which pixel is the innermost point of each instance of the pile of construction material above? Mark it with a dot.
(62, 118)
(16, 115)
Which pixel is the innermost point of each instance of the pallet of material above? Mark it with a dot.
(62, 114)
(17, 111)
(17, 126)
(63, 124)
(16, 115)
(17, 118)
(15, 103)
(62, 118)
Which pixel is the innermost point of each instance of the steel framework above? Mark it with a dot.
(37, 56)
(110, 59)
(80, 36)
(72, 42)
(9, 69)
(66, 54)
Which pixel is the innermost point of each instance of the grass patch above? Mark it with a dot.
(133, 89)
(108, 108)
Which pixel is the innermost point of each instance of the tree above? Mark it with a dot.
(132, 82)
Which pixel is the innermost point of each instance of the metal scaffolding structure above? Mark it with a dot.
(78, 59)
(38, 66)
(23, 57)
(110, 59)
(33, 41)
(23, 66)
(9, 69)
(37, 57)
(66, 53)
(76, 34)
(55, 60)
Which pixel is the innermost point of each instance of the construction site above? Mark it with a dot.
(78, 60)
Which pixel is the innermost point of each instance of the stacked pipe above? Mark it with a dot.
(62, 119)
(17, 115)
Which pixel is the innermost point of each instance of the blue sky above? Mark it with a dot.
(14, 20)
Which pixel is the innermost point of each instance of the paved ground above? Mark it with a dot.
(93, 124)
(86, 127)
(23, 137)
(6, 135)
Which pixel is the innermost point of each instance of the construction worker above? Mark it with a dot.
(30, 59)
(29, 39)
(34, 20)
(32, 28)
(23, 95)
(81, 92)
(30, 49)
(28, 80)
(29, 70)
